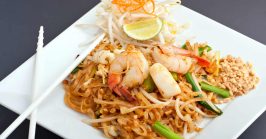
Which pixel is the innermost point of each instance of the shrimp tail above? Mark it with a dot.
(202, 62)
(126, 94)
(113, 82)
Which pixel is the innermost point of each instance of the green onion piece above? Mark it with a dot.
(75, 70)
(174, 75)
(208, 48)
(184, 46)
(196, 89)
(201, 49)
(192, 82)
(165, 131)
(207, 106)
(148, 84)
(222, 92)
(204, 77)
(97, 114)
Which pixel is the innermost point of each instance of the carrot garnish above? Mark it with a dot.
(135, 5)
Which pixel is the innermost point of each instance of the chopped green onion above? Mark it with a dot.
(165, 131)
(192, 82)
(222, 92)
(174, 75)
(97, 114)
(75, 70)
(197, 89)
(207, 106)
(201, 49)
(184, 46)
(148, 84)
(208, 48)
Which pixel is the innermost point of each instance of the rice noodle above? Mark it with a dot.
(115, 102)
(106, 119)
(125, 110)
(152, 99)
(140, 130)
(190, 101)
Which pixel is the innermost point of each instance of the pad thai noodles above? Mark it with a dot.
(152, 88)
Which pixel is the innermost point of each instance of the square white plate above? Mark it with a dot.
(15, 90)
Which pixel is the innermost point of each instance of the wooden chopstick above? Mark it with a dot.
(49, 90)
(33, 118)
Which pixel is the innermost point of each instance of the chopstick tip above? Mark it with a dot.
(41, 30)
(40, 38)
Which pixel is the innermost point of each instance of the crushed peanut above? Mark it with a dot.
(235, 75)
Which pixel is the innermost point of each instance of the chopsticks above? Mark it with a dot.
(33, 118)
(49, 90)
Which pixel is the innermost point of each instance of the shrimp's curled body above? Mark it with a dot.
(127, 70)
(173, 62)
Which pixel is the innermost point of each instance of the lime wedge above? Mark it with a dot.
(143, 29)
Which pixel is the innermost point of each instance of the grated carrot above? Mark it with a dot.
(134, 5)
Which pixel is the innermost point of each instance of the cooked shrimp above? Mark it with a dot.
(164, 81)
(172, 50)
(173, 62)
(103, 57)
(136, 69)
